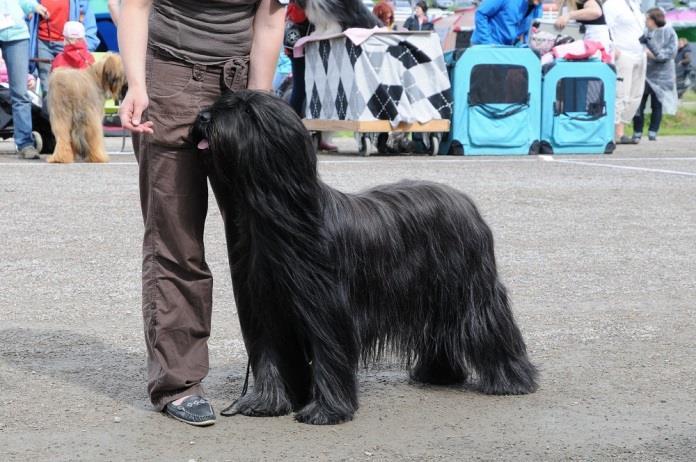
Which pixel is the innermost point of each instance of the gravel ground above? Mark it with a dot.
(598, 253)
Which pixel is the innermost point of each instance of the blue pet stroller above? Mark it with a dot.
(577, 107)
(497, 102)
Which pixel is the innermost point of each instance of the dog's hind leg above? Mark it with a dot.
(94, 137)
(440, 363)
(494, 347)
(63, 152)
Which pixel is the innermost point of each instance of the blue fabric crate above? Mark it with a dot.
(578, 107)
(497, 101)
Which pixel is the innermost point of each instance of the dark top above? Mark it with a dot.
(412, 24)
(683, 60)
(202, 31)
(600, 21)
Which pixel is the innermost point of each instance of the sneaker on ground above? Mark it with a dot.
(28, 152)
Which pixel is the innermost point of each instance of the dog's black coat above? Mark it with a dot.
(324, 278)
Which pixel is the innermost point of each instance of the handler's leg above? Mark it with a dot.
(177, 284)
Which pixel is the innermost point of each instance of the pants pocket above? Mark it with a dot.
(174, 97)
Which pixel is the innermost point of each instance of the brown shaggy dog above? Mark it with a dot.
(76, 108)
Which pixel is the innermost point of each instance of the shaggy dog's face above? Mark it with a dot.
(111, 76)
(248, 132)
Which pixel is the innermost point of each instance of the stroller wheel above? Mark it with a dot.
(38, 140)
(364, 145)
(434, 147)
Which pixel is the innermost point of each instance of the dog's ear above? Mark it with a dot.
(112, 75)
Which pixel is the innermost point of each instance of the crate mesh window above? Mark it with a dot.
(580, 94)
(499, 84)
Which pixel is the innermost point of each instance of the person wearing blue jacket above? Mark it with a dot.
(47, 36)
(14, 42)
(504, 22)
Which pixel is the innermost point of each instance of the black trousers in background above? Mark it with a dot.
(655, 116)
(297, 99)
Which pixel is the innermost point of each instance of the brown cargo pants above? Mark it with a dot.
(177, 283)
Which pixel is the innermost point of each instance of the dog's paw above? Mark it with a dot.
(518, 377)
(52, 159)
(256, 405)
(315, 414)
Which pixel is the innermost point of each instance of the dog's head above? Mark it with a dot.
(110, 75)
(251, 138)
(334, 16)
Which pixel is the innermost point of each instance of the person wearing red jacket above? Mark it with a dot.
(296, 28)
(75, 53)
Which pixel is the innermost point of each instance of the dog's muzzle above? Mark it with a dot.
(204, 119)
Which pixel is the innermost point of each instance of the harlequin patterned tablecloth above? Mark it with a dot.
(395, 76)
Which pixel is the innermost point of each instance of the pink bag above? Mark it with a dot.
(581, 50)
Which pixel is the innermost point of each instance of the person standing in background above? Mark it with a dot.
(504, 22)
(590, 14)
(384, 11)
(626, 23)
(75, 54)
(683, 63)
(50, 33)
(14, 42)
(297, 26)
(660, 78)
(179, 57)
(419, 21)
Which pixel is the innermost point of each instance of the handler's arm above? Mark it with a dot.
(132, 42)
(269, 28)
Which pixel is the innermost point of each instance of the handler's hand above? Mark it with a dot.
(41, 11)
(561, 22)
(131, 111)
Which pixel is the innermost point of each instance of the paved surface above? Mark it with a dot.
(599, 254)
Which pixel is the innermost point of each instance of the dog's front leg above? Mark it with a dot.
(269, 396)
(278, 361)
(334, 363)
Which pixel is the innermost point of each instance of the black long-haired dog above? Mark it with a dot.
(323, 279)
(335, 16)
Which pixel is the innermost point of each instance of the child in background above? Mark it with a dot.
(75, 53)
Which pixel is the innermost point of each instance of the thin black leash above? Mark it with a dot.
(246, 382)
(226, 412)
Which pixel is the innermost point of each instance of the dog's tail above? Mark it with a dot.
(78, 134)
